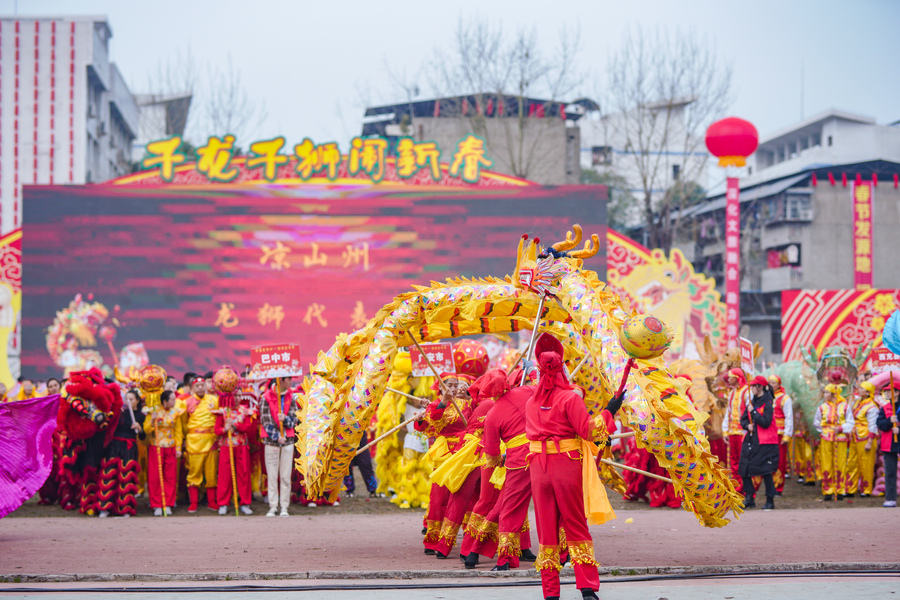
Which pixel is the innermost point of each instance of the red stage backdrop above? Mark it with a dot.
(200, 273)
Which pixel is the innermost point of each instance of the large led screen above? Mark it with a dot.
(200, 274)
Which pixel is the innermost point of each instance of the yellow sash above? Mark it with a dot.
(499, 475)
(596, 504)
(454, 470)
(440, 449)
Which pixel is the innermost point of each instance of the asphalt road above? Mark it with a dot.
(745, 588)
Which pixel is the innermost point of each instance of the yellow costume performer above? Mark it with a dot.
(198, 426)
(863, 443)
(402, 467)
(834, 422)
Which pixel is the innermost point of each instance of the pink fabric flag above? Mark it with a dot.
(26, 453)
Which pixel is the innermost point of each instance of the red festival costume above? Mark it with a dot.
(506, 424)
(734, 435)
(242, 420)
(88, 418)
(560, 432)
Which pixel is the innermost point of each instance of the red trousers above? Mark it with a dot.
(481, 530)
(434, 518)
(719, 450)
(734, 453)
(169, 475)
(782, 467)
(241, 472)
(513, 523)
(559, 503)
(461, 502)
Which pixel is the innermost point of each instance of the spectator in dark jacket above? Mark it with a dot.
(759, 451)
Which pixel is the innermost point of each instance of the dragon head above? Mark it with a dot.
(539, 269)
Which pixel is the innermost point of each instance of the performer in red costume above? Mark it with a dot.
(462, 501)
(564, 480)
(506, 423)
(735, 400)
(445, 425)
(239, 422)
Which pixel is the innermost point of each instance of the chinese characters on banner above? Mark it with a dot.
(747, 362)
(440, 355)
(884, 360)
(732, 261)
(367, 157)
(278, 360)
(862, 235)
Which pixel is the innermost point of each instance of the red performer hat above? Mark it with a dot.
(759, 380)
(436, 386)
(492, 384)
(471, 358)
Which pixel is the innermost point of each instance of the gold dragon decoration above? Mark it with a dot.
(343, 388)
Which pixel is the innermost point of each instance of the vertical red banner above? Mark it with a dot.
(732, 261)
(862, 235)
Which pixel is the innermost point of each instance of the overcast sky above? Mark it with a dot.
(310, 61)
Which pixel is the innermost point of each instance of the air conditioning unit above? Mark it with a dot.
(805, 214)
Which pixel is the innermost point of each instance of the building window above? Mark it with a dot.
(798, 208)
(676, 171)
(601, 156)
(776, 338)
(829, 140)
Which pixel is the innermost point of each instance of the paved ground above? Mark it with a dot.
(768, 588)
(391, 542)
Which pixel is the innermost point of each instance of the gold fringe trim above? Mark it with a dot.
(547, 558)
(582, 553)
(510, 544)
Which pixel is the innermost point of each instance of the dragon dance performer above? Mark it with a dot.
(564, 480)
(834, 422)
(802, 453)
(460, 473)
(480, 530)
(198, 424)
(863, 443)
(783, 410)
(506, 424)
(238, 421)
(119, 468)
(165, 437)
(442, 422)
(736, 398)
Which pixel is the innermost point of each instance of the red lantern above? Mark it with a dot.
(732, 140)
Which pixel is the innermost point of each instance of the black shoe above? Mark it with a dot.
(429, 551)
(501, 567)
(552, 598)
(424, 530)
(864, 495)
(472, 560)
(828, 498)
(849, 495)
(589, 594)
(462, 557)
(810, 483)
(840, 496)
(528, 555)
(778, 494)
(769, 505)
(749, 502)
(440, 556)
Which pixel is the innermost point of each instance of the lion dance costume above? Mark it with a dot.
(89, 416)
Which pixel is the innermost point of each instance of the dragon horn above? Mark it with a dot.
(119, 376)
(569, 243)
(591, 248)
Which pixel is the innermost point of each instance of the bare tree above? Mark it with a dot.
(228, 107)
(219, 101)
(486, 77)
(663, 92)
